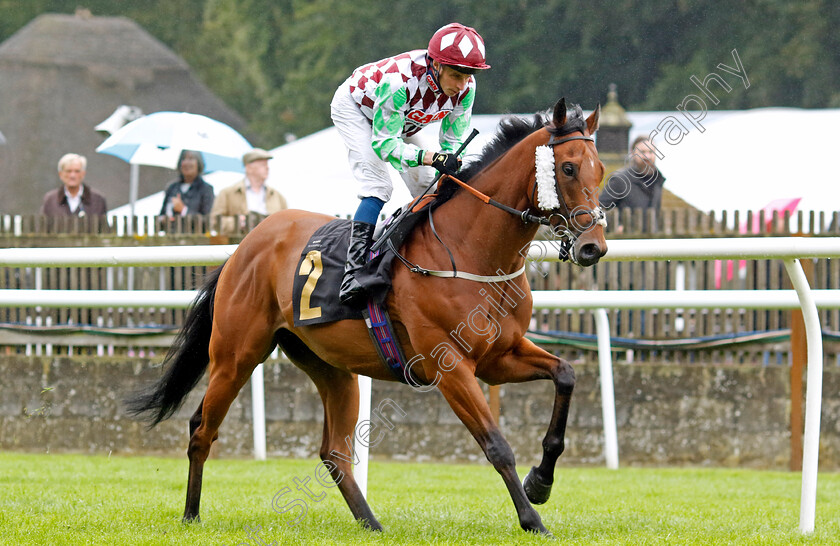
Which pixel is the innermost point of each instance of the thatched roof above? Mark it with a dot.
(673, 201)
(84, 42)
(60, 76)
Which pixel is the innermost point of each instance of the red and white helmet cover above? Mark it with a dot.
(458, 45)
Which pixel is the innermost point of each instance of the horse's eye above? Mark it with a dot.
(568, 169)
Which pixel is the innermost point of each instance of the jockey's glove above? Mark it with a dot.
(446, 162)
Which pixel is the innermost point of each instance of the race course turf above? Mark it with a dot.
(76, 499)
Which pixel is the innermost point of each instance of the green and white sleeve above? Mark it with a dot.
(453, 127)
(388, 123)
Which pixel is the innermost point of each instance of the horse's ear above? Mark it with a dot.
(560, 113)
(592, 120)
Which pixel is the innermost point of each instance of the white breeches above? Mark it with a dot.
(371, 171)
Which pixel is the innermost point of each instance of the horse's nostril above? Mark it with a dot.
(589, 254)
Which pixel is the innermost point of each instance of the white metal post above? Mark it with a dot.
(360, 472)
(813, 396)
(133, 185)
(602, 327)
(679, 286)
(258, 409)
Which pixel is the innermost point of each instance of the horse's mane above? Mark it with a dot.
(512, 129)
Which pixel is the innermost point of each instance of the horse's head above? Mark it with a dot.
(568, 173)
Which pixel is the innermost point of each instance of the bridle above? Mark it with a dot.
(564, 233)
(563, 230)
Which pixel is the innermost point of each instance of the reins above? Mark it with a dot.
(526, 216)
(568, 237)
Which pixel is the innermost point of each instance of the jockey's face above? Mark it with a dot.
(451, 81)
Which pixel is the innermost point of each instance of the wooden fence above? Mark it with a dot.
(759, 337)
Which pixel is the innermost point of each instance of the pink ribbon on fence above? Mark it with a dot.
(779, 206)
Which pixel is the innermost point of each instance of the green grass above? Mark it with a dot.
(74, 499)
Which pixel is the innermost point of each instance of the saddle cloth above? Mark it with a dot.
(319, 273)
(321, 268)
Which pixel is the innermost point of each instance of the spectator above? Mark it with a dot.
(74, 198)
(639, 184)
(189, 194)
(250, 194)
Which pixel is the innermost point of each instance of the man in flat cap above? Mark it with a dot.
(249, 195)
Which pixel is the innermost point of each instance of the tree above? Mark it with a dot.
(278, 62)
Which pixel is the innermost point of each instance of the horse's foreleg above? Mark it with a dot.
(527, 363)
(340, 395)
(466, 399)
(539, 480)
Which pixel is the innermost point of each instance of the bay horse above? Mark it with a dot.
(245, 308)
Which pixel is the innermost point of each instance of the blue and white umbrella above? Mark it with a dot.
(159, 138)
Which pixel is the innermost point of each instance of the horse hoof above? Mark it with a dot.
(543, 532)
(191, 519)
(537, 490)
(532, 523)
(371, 525)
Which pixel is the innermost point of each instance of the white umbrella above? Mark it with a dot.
(159, 138)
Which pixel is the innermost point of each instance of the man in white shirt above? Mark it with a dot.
(250, 194)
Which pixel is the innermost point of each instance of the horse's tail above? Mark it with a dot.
(185, 361)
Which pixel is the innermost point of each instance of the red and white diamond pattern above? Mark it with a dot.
(408, 69)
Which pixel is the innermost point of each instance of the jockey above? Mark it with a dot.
(379, 111)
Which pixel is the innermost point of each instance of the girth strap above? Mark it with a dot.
(387, 346)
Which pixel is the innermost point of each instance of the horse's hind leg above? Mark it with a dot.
(528, 362)
(195, 420)
(339, 392)
(221, 393)
(195, 473)
(230, 367)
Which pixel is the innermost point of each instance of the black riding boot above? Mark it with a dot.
(361, 236)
